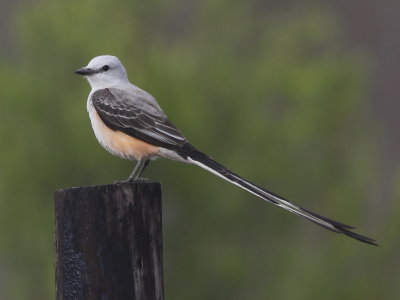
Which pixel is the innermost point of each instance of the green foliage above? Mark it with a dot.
(270, 94)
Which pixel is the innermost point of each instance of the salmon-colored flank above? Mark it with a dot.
(120, 143)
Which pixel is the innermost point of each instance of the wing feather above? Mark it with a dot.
(137, 114)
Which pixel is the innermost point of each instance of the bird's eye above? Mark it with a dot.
(106, 68)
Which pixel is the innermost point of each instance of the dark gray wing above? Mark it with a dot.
(136, 113)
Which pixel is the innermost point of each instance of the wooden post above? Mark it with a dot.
(109, 242)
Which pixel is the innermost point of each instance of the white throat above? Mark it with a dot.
(99, 81)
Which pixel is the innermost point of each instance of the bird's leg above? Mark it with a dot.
(139, 168)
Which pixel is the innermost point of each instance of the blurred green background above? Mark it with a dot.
(296, 96)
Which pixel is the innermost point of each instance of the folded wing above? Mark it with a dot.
(137, 114)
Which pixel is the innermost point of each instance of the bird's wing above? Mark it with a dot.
(136, 113)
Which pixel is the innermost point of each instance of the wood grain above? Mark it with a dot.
(109, 242)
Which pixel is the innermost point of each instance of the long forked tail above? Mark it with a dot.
(196, 157)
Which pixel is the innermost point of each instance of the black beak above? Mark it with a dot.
(85, 71)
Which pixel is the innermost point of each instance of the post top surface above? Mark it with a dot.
(142, 182)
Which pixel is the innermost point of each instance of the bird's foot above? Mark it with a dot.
(132, 180)
(140, 180)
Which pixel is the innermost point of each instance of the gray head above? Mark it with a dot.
(104, 71)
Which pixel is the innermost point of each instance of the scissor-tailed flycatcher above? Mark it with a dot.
(129, 123)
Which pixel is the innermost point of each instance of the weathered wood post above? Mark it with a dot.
(109, 242)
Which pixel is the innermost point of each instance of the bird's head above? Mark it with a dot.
(104, 71)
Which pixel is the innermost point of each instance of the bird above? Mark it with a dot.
(129, 123)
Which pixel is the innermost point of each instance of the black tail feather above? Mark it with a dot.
(188, 152)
